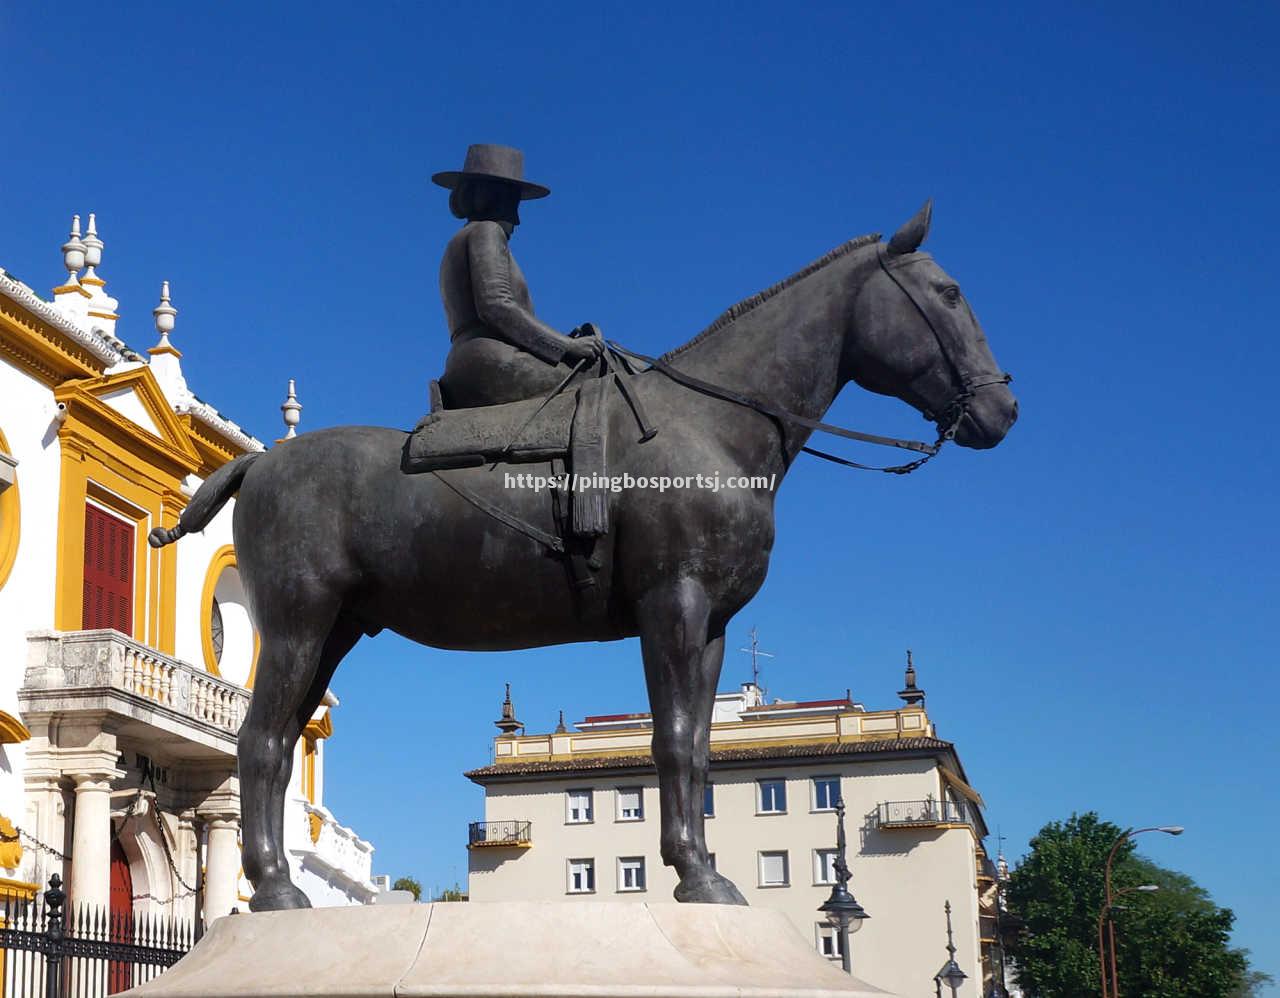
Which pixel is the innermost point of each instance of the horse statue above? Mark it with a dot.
(334, 541)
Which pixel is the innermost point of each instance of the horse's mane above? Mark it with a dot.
(734, 312)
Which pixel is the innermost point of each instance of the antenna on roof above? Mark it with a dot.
(756, 654)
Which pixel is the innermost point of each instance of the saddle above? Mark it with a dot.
(569, 429)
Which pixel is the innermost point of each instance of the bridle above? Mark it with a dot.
(947, 417)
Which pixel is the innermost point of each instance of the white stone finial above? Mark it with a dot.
(292, 412)
(92, 253)
(165, 315)
(73, 251)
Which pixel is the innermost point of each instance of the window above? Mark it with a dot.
(708, 802)
(582, 876)
(577, 807)
(826, 792)
(824, 866)
(108, 572)
(631, 873)
(773, 797)
(630, 803)
(215, 630)
(773, 869)
(829, 941)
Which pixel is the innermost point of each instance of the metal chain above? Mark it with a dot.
(34, 842)
(24, 836)
(129, 812)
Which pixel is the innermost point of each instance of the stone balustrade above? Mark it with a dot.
(321, 842)
(65, 669)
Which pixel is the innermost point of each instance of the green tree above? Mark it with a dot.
(410, 885)
(1173, 943)
(454, 893)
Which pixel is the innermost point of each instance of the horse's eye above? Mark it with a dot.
(951, 296)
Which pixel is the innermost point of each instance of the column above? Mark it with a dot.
(184, 859)
(222, 865)
(90, 882)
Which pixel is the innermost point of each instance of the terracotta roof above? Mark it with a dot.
(721, 756)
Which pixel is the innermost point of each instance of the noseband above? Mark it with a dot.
(947, 418)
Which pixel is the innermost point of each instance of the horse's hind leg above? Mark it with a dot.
(297, 659)
(682, 662)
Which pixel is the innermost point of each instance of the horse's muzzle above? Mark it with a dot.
(991, 413)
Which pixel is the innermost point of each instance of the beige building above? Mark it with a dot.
(574, 814)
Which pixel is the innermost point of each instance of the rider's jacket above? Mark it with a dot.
(485, 294)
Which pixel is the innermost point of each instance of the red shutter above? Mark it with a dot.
(108, 572)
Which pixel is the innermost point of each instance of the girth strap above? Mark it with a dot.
(502, 516)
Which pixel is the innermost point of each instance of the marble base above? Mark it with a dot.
(517, 949)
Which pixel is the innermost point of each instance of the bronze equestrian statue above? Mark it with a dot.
(335, 541)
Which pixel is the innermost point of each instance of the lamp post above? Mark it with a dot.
(1114, 992)
(842, 909)
(1104, 917)
(951, 975)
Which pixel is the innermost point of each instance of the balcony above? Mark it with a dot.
(103, 671)
(500, 834)
(921, 814)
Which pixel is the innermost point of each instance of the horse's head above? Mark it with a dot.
(915, 337)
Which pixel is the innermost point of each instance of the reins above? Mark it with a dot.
(947, 419)
(785, 415)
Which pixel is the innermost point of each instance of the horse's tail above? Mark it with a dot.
(209, 498)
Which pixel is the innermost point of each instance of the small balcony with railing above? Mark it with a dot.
(106, 672)
(922, 814)
(500, 835)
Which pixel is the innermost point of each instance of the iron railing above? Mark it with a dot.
(921, 813)
(499, 833)
(46, 952)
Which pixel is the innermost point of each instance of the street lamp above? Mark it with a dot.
(1110, 900)
(842, 909)
(950, 974)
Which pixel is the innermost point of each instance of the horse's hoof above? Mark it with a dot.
(709, 890)
(283, 898)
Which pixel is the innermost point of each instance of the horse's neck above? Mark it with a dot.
(786, 350)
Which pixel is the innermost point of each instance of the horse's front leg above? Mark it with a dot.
(681, 667)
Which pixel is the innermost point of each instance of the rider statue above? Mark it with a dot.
(500, 350)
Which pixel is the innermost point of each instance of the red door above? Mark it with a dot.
(108, 572)
(119, 972)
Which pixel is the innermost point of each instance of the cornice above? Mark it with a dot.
(89, 341)
(210, 419)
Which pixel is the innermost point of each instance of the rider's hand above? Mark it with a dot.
(583, 348)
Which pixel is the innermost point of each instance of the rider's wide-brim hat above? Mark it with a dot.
(492, 162)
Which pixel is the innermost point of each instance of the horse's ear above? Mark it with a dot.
(908, 238)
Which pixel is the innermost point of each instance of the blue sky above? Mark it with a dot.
(1087, 603)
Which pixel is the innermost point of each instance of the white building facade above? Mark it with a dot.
(125, 671)
(574, 814)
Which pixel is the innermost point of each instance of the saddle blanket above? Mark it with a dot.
(465, 438)
(569, 426)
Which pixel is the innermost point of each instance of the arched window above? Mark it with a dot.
(228, 637)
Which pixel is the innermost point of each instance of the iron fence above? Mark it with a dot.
(499, 833)
(920, 813)
(46, 952)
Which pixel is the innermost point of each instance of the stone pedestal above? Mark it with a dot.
(510, 949)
